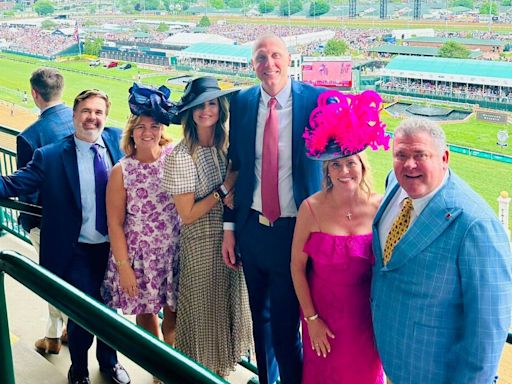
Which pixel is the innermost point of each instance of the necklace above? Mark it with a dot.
(348, 215)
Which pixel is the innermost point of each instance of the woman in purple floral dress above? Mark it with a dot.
(143, 229)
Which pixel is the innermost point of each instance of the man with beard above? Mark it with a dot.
(71, 177)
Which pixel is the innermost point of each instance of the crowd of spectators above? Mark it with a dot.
(456, 90)
(35, 41)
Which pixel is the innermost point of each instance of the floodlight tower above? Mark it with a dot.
(417, 10)
(352, 8)
(383, 9)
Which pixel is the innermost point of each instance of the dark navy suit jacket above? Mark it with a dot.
(54, 172)
(53, 125)
(306, 173)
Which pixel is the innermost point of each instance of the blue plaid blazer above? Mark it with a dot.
(442, 305)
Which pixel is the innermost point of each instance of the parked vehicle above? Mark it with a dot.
(125, 66)
(112, 64)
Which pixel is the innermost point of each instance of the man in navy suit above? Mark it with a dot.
(265, 243)
(74, 244)
(55, 122)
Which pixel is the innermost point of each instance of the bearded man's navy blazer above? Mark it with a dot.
(53, 172)
(53, 125)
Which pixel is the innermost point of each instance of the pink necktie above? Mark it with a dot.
(270, 165)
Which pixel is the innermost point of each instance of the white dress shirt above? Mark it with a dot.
(284, 114)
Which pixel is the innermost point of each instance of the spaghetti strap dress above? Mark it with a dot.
(339, 281)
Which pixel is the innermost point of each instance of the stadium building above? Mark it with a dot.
(487, 83)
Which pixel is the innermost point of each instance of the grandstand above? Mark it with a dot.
(489, 47)
(387, 50)
(486, 83)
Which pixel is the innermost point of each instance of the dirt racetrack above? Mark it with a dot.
(15, 117)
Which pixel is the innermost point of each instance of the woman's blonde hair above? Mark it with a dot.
(220, 135)
(366, 184)
(127, 142)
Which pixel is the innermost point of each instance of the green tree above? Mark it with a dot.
(19, 7)
(234, 3)
(93, 47)
(462, 3)
(489, 8)
(204, 22)
(162, 27)
(289, 7)
(48, 24)
(266, 6)
(318, 7)
(43, 8)
(506, 3)
(151, 5)
(335, 47)
(454, 50)
(217, 4)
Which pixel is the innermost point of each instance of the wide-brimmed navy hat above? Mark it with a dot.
(197, 92)
(150, 101)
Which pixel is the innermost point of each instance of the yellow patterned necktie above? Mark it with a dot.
(398, 229)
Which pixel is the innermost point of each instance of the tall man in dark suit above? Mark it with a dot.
(55, 122)
(70, 176)
(266, 207)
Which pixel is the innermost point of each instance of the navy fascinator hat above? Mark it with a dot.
(150, 101)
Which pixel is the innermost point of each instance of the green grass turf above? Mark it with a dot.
(487, 177)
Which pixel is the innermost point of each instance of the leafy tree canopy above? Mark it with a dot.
(217, 4)
(93, 47)
(489, 8)
(335, 47)
(48, 24)
(162, 27)
(289, 7)
(204, 22)
(318, 7)
(454, 50)
(234, 3)
(266, 6)
(43, 8)
(462, 3)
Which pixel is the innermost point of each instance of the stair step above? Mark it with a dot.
(30, 367)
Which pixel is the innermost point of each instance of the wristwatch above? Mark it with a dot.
(222, 191)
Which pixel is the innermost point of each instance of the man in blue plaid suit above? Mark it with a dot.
(442, 299)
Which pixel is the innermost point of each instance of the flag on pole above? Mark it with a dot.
(77, 38)
(75, 34)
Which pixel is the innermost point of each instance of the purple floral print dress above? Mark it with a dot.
(152, 230)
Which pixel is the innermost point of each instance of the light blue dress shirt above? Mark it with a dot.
(85, 159)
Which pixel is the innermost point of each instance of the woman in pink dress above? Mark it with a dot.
(332, 246)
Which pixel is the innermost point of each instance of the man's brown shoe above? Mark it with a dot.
(48, 345)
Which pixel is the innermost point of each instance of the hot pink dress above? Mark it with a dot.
(339, 280)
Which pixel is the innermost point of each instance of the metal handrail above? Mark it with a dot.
(150, 353)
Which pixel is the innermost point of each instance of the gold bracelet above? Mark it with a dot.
(311, 318)
(120, 262)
